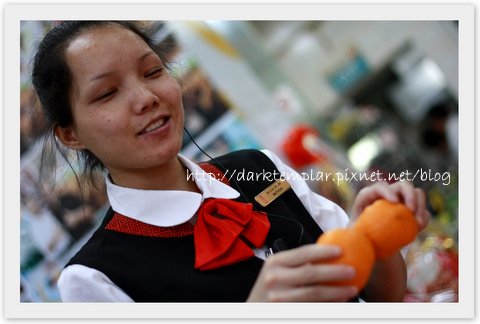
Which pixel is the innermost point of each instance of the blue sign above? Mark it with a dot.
(350, 73)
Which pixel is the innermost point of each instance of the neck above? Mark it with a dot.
(169, 176)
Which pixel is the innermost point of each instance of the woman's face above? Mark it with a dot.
(127, 109)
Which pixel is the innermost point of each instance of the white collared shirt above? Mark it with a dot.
(79, 283)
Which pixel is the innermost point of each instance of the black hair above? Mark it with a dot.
(52, 80)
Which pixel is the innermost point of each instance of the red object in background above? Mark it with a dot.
(295, 149)
(449, 261)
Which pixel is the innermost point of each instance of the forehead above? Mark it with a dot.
(102, 44)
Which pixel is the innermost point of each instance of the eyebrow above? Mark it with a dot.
(99, 76)
(150, 52)
(106, 74)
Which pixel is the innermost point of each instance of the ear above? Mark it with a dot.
(68, 137)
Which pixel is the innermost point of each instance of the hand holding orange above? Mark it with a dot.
(380, 231)
(357, 250)
(389, 226)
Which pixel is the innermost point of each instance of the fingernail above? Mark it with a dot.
(353, 291)
(391, 196)
(335, 250)
(350, 272)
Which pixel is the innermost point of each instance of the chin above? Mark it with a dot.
(170, 152)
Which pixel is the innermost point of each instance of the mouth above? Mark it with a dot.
(155, 125)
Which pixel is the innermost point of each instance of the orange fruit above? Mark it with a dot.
(357, 252)
(389, 226)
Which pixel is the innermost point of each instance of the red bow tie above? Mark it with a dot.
(226, 231)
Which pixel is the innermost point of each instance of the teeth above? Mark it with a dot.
(155, 125)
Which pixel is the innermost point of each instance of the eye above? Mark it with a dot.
(157, 71)
(105, 95)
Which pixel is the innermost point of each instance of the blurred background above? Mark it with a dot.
(347, 98)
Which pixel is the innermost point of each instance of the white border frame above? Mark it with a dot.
(14, 13)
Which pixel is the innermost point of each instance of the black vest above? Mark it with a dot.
(154, 269)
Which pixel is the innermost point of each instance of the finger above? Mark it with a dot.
(304, 254)
(368, 195)
(318, 293)
(383, 190)
(405, 194)
(308, 274)
(409, 195)
(421, 213)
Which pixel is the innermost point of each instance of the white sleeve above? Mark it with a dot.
(326, 213)
(78, 283)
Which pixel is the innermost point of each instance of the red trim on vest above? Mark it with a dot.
(124, 224)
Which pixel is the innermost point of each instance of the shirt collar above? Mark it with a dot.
(167, 207)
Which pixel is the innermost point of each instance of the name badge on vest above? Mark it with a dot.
(272, 192)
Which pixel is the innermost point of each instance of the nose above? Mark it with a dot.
(142, 98)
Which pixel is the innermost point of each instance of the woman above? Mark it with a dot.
(169, 236)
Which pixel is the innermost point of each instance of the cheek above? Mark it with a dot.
(94, 129)
(173, 92)
(181, 111)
